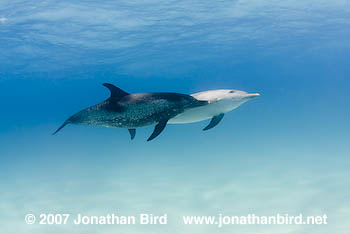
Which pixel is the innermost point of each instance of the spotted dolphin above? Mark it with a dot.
(220, 102)
(131, 111)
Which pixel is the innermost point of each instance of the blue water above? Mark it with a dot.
(284, 152)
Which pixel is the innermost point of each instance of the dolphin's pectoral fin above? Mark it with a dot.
(214, 121)
(116, 93)
(132, 132)
(158, 129)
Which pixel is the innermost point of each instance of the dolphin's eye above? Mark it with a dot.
(232, 91)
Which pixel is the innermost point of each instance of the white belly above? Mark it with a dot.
(204, 112)
(193, 115)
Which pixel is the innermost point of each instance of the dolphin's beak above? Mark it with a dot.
(252, 95)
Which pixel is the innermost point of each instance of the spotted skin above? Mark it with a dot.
(123, 110)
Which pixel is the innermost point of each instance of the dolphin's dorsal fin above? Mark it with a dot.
(116, 93)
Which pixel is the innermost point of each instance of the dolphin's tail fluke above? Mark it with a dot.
(62, 126)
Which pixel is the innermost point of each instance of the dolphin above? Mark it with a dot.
(220, 101)
(131, 111)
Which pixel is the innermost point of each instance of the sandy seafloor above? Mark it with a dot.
(285, 152)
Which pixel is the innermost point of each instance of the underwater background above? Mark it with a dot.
(285, 152)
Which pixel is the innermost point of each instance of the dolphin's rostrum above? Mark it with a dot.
(131, 111)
